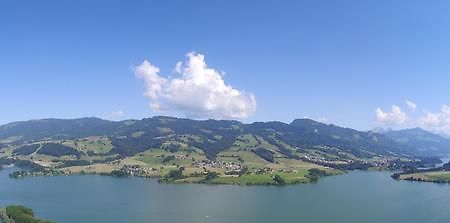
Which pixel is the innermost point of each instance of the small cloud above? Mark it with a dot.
(395, 117)
(438, 122)
(323, 120)
(317, 119)
(200, 91)
(115, 115)
(411, 105)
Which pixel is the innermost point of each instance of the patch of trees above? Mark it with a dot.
(446, 166)
(58, 150)
(314, 174)
(396, 176)
(168, 158)
(277, 179)
(110, 159)
(119, 173)
(265, 154)
(23, 164)
(69, 163)
(21, 214)
(172, 175)
(18, 173)
(211, 175)
(175, 174)
(233, 172)
(171, 147)
(26, 149)
(131, 146)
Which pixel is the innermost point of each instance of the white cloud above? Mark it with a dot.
(199, 92)
(323, 120)
(411, 105)
(395, 117)
(437, 122)
(115, 115)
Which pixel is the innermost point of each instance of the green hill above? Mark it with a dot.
(156, 146)
(212, 136)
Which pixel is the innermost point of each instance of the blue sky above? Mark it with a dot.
(333, 60)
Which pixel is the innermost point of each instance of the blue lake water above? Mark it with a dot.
(355, 197)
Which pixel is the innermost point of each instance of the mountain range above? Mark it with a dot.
(131, 137)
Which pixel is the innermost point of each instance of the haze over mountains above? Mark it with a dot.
(130, 137)
(423, 140)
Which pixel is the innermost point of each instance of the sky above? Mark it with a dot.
(355, 63)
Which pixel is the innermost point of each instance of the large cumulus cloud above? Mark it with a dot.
(198, 92)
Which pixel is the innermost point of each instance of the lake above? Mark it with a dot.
(355, 197)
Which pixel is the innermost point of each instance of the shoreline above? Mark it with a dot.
(312, 177)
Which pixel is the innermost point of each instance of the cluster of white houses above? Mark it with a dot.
(218, 164)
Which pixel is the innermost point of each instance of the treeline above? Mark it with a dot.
(356, 165)
(81, 162)
(26, 149)
(265, 154)
(58, 150)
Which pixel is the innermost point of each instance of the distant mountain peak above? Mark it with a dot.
(379, 130)
(421, 139)
(305, 121)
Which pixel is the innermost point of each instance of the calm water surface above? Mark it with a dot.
(354, 197)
